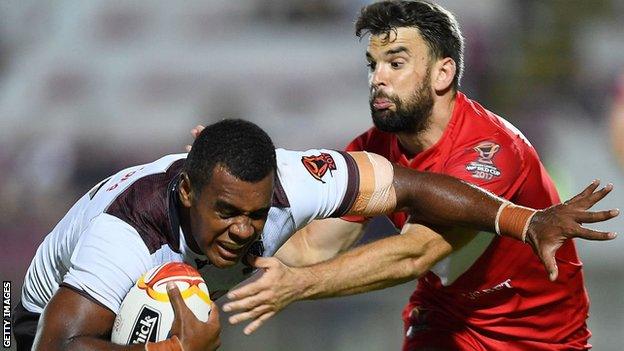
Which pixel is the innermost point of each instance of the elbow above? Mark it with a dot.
(429, 254)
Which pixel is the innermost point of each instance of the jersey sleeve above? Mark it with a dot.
(493, 164)
(318, 183)
(357, 144)
(108, 259)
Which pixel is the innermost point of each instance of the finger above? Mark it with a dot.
(253, 326)
(244, 291)
(599, 216)
(586, 192)
(197, 130)
(592, 199)
(176, 300)
(241, 317)
(188, 148)
(589, 234)
(548, 259)
(213, 318)
(245, 304)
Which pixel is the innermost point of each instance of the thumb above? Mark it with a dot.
(213, 319)
(548, 258)
(176, 300)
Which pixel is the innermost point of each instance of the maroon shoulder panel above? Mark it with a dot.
(148, 205)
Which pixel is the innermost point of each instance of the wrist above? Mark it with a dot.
(308, 282)
(171, 344)
(513, 220)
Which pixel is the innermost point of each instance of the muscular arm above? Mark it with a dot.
(444, 200)
(381, 264)
(319, 241)
(72, 321)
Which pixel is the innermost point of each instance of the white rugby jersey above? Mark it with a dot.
(128, 224)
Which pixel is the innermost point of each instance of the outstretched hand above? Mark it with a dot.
(261, 299)
(551, 227)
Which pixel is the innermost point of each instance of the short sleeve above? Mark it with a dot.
(357, 144)
(494, 165)
(318, 183)
(108, 259)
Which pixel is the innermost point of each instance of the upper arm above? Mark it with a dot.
(319, 241)
(107, 260)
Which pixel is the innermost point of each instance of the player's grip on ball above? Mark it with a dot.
(187, 332)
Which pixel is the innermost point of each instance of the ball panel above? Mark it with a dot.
(146, 313)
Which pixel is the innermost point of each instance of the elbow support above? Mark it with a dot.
(376, 193)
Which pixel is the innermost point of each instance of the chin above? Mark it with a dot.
(221, 262)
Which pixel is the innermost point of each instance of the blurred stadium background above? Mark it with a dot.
(90, 87)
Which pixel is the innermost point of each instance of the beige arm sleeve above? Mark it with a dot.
(376, 193)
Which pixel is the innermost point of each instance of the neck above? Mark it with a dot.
(441, 114)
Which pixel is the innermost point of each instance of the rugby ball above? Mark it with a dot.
(146, 313)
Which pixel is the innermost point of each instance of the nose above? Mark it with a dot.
(242, 229)
(378, 77)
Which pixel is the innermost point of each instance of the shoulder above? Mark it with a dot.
(373, 140)
(315, 182)
(489, 151)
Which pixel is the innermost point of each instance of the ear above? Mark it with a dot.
(443, 73)
(184, 191)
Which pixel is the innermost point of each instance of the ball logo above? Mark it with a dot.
(188, 281)
(145, 327)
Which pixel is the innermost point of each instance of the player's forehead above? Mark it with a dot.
(405, 40)
(228, 191)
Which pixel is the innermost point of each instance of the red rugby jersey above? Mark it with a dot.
(504, 291)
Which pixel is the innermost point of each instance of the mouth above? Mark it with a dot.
(230, 252)
(382, 104)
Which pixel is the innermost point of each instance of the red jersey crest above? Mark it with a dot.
(483, 167)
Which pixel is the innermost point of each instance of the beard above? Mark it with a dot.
(411, 115)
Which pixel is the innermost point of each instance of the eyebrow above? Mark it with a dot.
(222, 205)
(397, 50)
(394, 51)
(226, 206)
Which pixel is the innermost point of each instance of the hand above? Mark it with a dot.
(193, 333)
(551, 227)
(259, 300)
(195, 132)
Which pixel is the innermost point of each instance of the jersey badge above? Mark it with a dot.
(483, 167)
(318, 166)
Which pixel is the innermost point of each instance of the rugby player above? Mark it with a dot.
(477, 291)
(232, 195)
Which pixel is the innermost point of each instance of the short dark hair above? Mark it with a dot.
(241, 147)
(437, 26)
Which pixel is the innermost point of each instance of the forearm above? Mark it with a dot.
(381, 264)
(84, 343)
(319, 241)
(444, 200)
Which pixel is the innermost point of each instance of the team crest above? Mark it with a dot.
(319, 165)
(483, 167)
